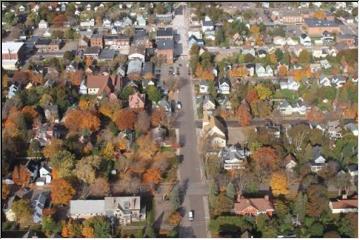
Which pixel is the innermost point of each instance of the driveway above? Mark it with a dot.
(191, 170)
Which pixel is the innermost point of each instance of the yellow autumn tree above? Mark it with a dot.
(279, 183)
(108, 151)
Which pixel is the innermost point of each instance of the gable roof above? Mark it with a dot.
(261, 204)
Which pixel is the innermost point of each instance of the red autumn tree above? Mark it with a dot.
(251, 96)
(315, 115)
(152, 176)
(20, 175)
(243, 115)
(266, 157)
(124, 119)
(158, 116)
(59, 20)
(61, 191)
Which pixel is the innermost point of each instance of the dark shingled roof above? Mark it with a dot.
(320, 23)
(165, 44)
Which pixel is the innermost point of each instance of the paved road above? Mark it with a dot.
(191, 171)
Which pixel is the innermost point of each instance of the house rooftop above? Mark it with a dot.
(87, 207)
(12, 47)
(165, 44)
(311, 22)
(165, 32)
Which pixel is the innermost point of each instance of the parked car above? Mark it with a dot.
(191, 215)
(178, 105)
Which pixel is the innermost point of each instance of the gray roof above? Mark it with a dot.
(126, 204)
(134, 65)
(87, 207)
(107, 54)
(320, 23)
(165, 44)
(92, 50)
(164, 32)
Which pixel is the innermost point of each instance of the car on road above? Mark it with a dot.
(191, 215)
(178, 105)
(177, 71)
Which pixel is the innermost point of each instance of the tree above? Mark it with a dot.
(69, 55)
(86, 169)
(126, 92)
(175, 197)
(204, 73)
(100, 188)
(243, 115)
(49, 226)
(174, 218)
(305, 57)
(59, 20)
(21, 175)
(315, 115)
(283, 71)
(5, 191)
(316, 230)
(255, 30)
(230, 191)
(124, 119)
(238, 72)
(223, 204)
(61, 191)
(23, 212)
(251, 96)
(100, 225)
(266, 157)
(263, 92)
(153, 93)
(63, 162)
(88, 232)
(158, 116)
(220, 36)
(78, 120)
(71, 229)
(321, 15)
(279, 183)
(152, 176)
(299, 206)
(317, 200)
(53, 148)
(143, 122)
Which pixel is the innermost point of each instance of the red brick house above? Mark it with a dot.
(97, 40)
(165, 50)
(253, 206)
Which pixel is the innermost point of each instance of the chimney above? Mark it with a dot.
(266, 197)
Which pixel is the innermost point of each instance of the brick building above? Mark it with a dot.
(97, 40)
(315, 27)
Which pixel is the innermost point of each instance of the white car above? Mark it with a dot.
(191, 215)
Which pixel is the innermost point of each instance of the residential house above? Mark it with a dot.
(45, 45)
(305, 40)
(165, 50)
(344, 205)
(51, 113)
(44, 175)
(91, 53)
(315, 67)
(158, 134)
(137, 101)
(327, 38)
(38, 202)
(42, 133)
(224, 86)
(208, 103)
(291, 42)
(316, 27)
(324, 81)
(134, 69)
(165, 34)
(290, 84)
(290, 162)
(286, 108)
(194, 40)
(203, 87)
(106, 23)
(338, 81)
(352, 127)
(141, 38)
(137, 52)
(83, 43)
(165, 104)
(286, 16)
(97, 84)
(215, 130)
(97, 40)
(118, 42)
(251, 69)
(325, 64)
(43, 24)
(253, 206)
(264, 72)
(107, 54)
(352, 169)
(12, 91)
(11, 54)
(278, 40)
(140, 22)
(233, 157)
(318, 161)
(207, 24)
(224, 102)
(334, 129)
(166, 18)
(87, 23)
(126, 209)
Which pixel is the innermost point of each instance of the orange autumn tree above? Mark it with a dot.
(78, 120)
(204, 74)
(243, 115)
(283, 71)
(315, 115)
(88, 232)
(61, 191)
(266, 158)
(251, 96)
(158, 116)
(174, 218)
(321, 15)
(71, 229)
(152, 176)
(124, 119)
(238, 72)
(21, 175)
(51, 149)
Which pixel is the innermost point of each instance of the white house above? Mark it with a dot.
(208, 104)
(43, 24)
(334, 129)
(207, 24)
(214, 130)
(291, 42)
(233, 157)
(88, 23)
(325, 64)
(12, 91)
(287, 109)
(339, 81)
(318, 162)
(305, 40)
(290, 162)
(264, 72)
(324, 81)
(106, 23)
(290, 84)
(83, 88)
(11, 53)
(224, 86)
(204, 87)
(278, 40)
